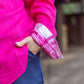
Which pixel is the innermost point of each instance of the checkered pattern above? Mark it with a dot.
(47, 41)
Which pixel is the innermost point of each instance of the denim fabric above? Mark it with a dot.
(33, 73)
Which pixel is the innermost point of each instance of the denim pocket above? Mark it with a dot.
(32, 55)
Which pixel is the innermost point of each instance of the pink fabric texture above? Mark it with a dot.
(17, 21)
(47, 41)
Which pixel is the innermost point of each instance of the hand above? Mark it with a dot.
(32, 45)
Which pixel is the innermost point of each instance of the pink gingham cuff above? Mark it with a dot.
(45, 39)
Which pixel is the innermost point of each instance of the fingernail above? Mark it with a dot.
(18, 44)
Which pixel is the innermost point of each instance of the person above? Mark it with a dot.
(26, 27)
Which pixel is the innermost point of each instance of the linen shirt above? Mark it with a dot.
(19, 19)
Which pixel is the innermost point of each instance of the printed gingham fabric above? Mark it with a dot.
(47, 41)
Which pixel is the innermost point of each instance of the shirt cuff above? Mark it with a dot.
(46, 40)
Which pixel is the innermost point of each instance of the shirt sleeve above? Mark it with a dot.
(44, 33)
(44, 11)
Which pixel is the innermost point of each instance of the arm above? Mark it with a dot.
(44, 33)
(44, 11)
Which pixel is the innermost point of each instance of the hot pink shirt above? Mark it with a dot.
(17, 21)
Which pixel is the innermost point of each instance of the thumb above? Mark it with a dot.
(22, 42)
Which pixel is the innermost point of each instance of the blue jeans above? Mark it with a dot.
(33, 73)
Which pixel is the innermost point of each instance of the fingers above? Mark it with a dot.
(22, 42)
